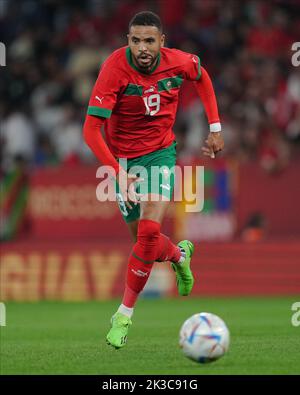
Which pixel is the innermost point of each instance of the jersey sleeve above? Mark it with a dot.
(191, 67)
(105, 91)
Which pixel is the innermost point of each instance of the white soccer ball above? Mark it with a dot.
(204, 337)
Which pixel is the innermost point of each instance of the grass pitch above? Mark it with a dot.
(69, 338)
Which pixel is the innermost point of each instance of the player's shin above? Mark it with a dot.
(141, 260)
(140, 263)
(137, 276)
(150, 246)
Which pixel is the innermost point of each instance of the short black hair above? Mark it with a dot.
(146, 18)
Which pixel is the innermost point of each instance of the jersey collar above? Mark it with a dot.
(130, 62)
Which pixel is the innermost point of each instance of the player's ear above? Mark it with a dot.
(128, 38)
(162, 40)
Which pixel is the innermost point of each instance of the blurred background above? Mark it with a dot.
(57, 240)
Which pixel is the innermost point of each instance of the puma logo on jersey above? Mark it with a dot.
(194, 59)
(99, 98)
(151, 89)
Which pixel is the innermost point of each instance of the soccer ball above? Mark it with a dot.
(204, 337)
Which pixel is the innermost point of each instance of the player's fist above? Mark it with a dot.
(214, 144)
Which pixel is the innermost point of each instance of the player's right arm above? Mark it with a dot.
(101, 104)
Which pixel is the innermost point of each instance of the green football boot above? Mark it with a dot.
(184, 275)
(117, 336)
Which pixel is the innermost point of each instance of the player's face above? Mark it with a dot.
(145, 43)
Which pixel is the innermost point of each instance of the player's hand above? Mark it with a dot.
(215, 144)
(127, 188)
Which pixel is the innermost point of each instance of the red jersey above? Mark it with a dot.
(140, 108)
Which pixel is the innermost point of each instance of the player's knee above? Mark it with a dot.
(148, 232)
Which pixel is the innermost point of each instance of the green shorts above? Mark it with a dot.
(157, 171)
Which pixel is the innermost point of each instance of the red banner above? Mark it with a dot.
(64, 271)
(63, 204)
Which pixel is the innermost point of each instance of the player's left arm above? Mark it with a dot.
(205, 89)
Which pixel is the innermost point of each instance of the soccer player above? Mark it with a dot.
(135, 97)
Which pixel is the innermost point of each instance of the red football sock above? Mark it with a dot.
(167, 250)
(130, 297)
(141, 260)
(151, 245)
